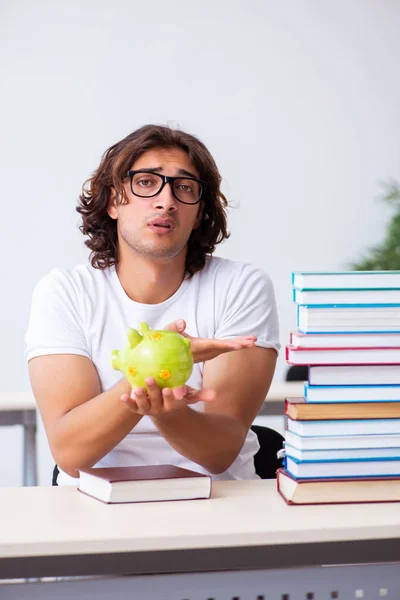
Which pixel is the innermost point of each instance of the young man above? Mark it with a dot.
(153, 212)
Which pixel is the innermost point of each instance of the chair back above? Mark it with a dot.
(266, 461)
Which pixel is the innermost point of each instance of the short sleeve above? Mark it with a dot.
(249, 308)
(55, 324)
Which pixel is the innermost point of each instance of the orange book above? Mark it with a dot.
(300, 410)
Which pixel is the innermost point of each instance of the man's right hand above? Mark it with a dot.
(208, 348)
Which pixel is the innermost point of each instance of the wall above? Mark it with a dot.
(298, 102)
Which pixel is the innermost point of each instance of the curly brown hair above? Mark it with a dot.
(116, 161)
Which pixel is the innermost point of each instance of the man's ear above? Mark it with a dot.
(112, 204)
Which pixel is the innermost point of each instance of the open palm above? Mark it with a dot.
(208, 348)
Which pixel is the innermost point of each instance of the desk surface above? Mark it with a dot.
(17, 401)
(60, 522)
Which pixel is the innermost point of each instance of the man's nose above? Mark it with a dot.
(165, 200)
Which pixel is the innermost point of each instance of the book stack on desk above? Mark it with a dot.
(342, 438)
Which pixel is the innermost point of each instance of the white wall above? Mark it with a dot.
(298, 101)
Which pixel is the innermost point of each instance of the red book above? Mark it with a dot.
(150, 483)
(337, 490)
(296, 355)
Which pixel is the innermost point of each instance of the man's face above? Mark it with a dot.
(140, 221)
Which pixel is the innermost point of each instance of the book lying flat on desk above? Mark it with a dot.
(356, 296)
(299, 409)
(308, 280)
(344, 427)
(342, 442)
(378, 467)
(342, 356)
(344, 340)
(351, 393)
(337, 491)
(354, 375)
(342, 318)
(343, 454)
(150, 483)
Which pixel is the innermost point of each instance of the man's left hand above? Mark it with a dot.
(156, 401)
(207, 348)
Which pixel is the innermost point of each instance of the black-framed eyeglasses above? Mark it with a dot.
(147, 184)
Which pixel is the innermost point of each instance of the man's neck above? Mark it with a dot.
(149, 281)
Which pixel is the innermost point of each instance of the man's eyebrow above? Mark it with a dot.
(158, 169)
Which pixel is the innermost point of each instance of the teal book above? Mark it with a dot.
(348, 318)
(352, 296)
(343, 280)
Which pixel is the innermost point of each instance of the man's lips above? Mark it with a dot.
(161, 225)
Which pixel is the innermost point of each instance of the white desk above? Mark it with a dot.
(245, 526)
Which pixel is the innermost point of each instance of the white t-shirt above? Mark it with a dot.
(86, 311)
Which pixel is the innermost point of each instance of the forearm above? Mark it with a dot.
(85, 434)
(208, 439)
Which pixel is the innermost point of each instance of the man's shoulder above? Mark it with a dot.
(81, 277)
(231, 269)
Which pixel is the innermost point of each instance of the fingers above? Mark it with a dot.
(145, 403)
(156, 401)
(130, 402)
(169, 399)
(193, 396)
(155, 396)
(178, 326)
(142, 401)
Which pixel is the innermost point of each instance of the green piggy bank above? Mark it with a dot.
(164, 355)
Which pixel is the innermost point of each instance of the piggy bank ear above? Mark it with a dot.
(144, 328)
(133, 337)
(115, 360)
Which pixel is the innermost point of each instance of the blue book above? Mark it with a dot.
(343, 427)
(351, 393)
(342, 442)
(341, 454)
(343, 468)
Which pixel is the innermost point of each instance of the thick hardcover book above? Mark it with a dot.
(344, 340)
(354, 375)
(299, 409)
(320, 394)
(337, 491)
(150, 483)
(311, 280)
(343, 442)
(359, 296)
(318, 469)
(344, 427)
(342, 318)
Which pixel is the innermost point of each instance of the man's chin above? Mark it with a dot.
(158, 252)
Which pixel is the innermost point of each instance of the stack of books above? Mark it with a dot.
(342, 439)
